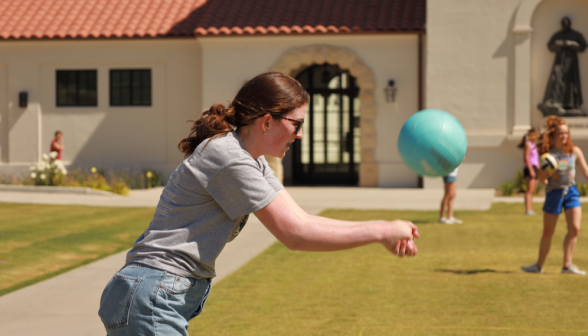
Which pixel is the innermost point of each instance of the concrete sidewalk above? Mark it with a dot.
(68, 304)
(307, 197)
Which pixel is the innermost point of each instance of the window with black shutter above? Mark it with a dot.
(76, 88)
(130, 87)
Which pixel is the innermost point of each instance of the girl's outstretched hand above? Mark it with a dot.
(400, 238)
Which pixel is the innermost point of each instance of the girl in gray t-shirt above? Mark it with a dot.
(206, 202)
(560, 192)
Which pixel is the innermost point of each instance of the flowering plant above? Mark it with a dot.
(49, 171)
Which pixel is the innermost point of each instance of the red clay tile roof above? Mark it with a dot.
(30, 19)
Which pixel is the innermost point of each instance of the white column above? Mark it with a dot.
(522, 79)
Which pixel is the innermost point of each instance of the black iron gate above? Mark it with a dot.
(328, 153)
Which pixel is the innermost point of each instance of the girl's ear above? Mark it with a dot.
(265, 122)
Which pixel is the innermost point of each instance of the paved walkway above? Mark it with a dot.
(68, 304)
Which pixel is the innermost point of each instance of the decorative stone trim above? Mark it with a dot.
(522, 31)
(299, 58)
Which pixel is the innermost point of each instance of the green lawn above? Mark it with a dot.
(466, 280)
(40, 241)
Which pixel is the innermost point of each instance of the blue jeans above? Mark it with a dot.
(140, 300)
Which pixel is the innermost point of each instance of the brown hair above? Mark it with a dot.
(521, 144)
(552, 123)
(270, 92)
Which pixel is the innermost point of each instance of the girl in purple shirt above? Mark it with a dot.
(531, 164)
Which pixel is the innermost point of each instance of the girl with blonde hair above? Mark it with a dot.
(561, 192)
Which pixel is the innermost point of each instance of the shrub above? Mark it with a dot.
(519, 185)
(138, 179)
(119, 187)
(508, 188)
(14, 179)
(153, 179)
(97, 181)
(49, 171)
(519, 181)
(52, 172)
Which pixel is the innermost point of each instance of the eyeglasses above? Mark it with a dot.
(297, 123)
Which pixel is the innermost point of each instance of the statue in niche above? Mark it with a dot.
(563, 95)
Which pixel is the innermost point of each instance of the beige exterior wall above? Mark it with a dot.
(3, 113)
(230, 61)
(479, 69)
(470, 48)
(486, 62)
(188, 75)
(138, 137)
(470, 74)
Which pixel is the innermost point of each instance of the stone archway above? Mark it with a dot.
(346, 59)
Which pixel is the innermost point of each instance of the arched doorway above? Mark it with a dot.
(291, 62)
(329, 152)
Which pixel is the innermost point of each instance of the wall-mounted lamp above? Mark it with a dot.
(390, 91)
(23, 99)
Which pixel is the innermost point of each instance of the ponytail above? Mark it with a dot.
(521, 144)
(269, 93)
(525, 138)
(216, 121)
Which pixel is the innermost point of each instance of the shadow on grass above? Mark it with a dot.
(423, 222)
(469, 272)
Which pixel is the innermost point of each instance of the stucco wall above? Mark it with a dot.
(3, 113)
(470, 49)
(481, 69)
(139, 137)
(470, 62)
(230, 61)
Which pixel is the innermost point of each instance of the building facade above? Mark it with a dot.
(121, 82)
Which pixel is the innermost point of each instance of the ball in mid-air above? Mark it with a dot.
(432, 143)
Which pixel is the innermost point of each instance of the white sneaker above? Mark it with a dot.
(444, 220)
(573, 269)
(532, 269)
(454, 220)
(530, 213)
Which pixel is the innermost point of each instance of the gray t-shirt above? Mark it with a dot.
(204, 205)
(565, 175)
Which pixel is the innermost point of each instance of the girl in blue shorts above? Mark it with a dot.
(561, 192)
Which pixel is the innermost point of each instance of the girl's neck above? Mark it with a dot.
(248, 141)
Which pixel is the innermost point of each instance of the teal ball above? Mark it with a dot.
(432, 143)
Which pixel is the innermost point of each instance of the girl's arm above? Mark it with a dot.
(528, 161)
(299, 231)
(543, 176)
(581, 161)
(304, 216)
